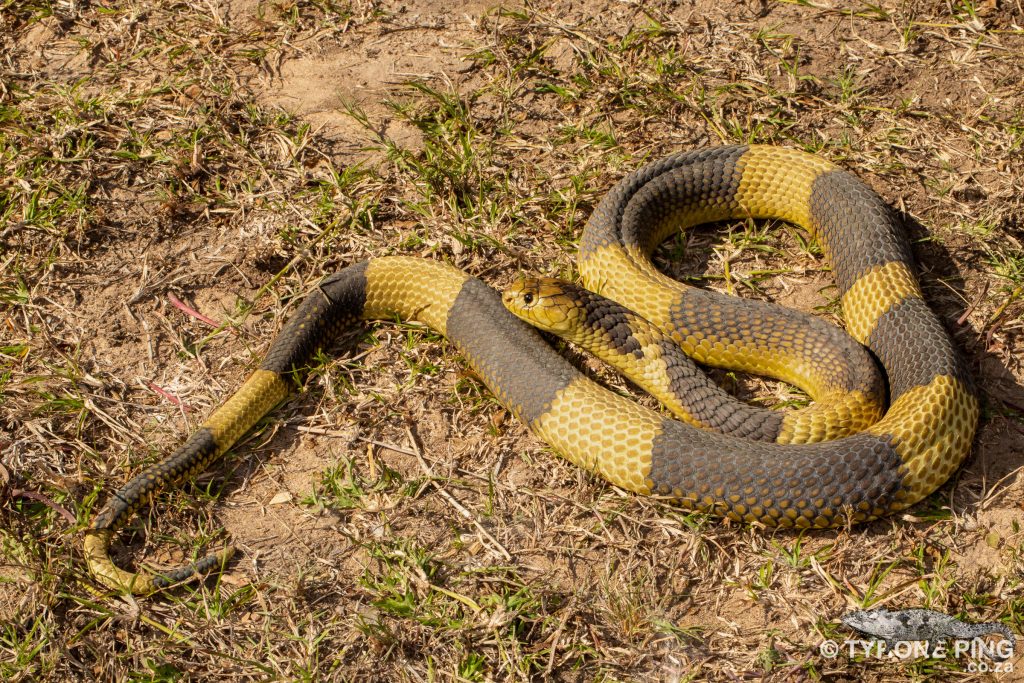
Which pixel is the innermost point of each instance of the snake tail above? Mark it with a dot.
(522, 370)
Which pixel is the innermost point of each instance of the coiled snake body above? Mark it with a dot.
(885, 466)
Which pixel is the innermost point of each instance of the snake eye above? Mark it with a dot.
(527, 298)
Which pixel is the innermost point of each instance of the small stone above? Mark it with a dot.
(279, 498)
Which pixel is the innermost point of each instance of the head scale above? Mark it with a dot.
(543, 302)
(868, 621)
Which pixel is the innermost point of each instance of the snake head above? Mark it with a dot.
(543, 302)
(877, 622)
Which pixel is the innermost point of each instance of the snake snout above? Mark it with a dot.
(521, 295)
(508, 297)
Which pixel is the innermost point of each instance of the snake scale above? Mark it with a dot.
(883, 467)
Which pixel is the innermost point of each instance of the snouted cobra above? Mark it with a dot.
(774, 477)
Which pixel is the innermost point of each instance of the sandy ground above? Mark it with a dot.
(394, 522)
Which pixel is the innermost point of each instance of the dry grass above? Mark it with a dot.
(395, 523)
